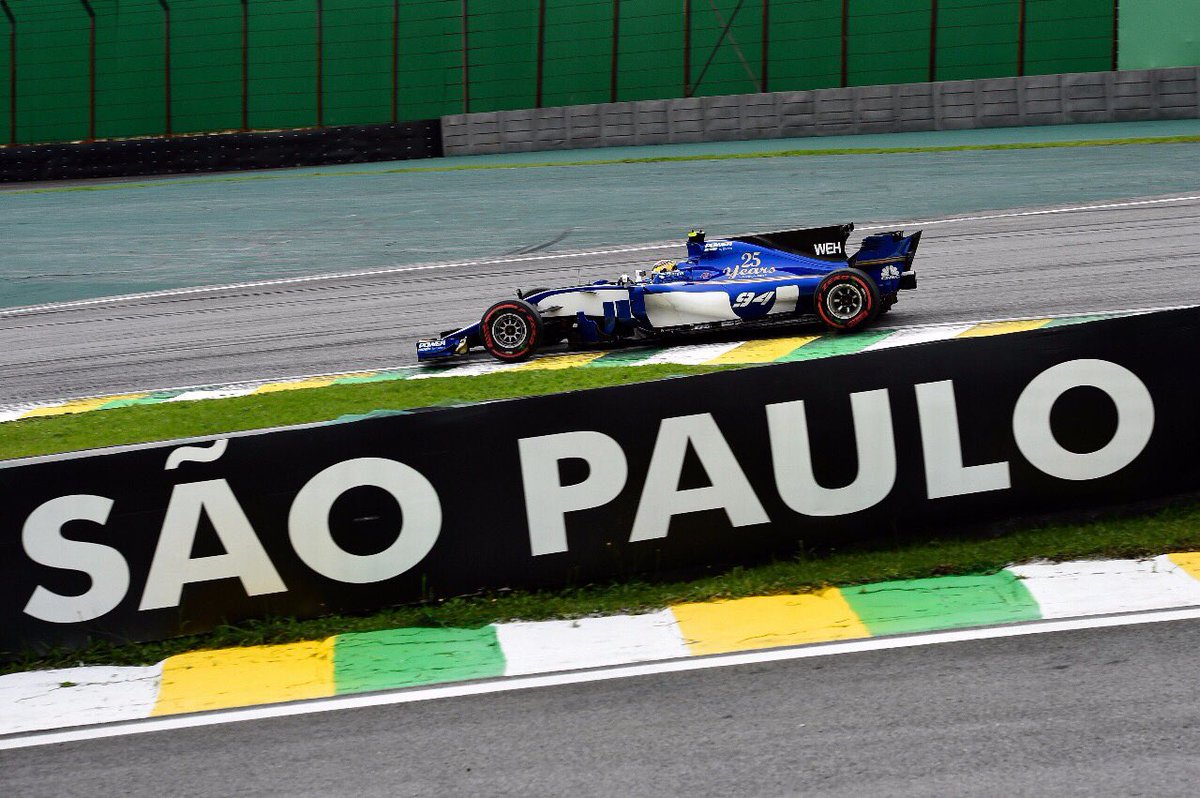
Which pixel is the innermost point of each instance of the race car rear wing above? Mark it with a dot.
(823, 243)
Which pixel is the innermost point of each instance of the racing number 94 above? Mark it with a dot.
(748, 298)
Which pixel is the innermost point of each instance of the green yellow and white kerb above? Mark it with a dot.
(412, 657)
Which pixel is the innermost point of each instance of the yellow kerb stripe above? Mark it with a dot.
(316, 382)
(560, 361)
(1002, 327)
(239, 677)
(1188, 561)
(765, 351)
(79, 405)
(767, 621)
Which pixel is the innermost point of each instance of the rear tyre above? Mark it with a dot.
(846, 300)
(511, 330)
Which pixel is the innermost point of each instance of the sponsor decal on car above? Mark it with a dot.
(436, 343)
(748, 271)
(889, 272)
(713, 246)
(751, 266)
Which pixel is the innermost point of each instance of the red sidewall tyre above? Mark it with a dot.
(838, 286)
(511, 330)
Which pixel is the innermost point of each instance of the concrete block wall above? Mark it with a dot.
(1133, 95)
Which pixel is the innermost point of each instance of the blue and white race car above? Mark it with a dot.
(752, 280)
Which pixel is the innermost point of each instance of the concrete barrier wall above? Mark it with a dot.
(1134, 95)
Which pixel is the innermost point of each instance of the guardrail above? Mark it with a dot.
(222, 152)
(664, 478)
(1133, 95)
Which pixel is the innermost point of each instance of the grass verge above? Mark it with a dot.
(161, 422)
(1175, 528)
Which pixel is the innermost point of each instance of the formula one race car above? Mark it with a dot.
(749, 280)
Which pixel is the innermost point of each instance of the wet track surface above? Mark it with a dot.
(1098, 712)
(997, 264)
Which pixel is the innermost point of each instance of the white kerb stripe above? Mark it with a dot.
(919, 335)
(13, 415)
(214, 393)
(76, 697)
(468, 370)
(589, 642)
(1098, 587)
(692, 354)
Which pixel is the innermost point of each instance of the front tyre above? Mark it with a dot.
(511, 330)
(846, 300)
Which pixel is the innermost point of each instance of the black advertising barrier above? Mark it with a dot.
(222, 152)
(668, 477)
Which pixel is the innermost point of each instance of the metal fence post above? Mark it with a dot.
(541, 53)
(395, 61)
(1116, 32)
(845, 43)
(12, 72)
(614, 65)
(687, 48)
(320, 63)
(167, 62)
(91, 12)
(1021, 38)
(933, 28)
(245, 64)
(766, 42)
(466, 61)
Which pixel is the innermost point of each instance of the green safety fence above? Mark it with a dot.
(83, 69)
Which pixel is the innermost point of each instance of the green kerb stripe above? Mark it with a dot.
(383, 376)
(1077, 320)
(830, 345)
(406, 657)
(148, 399)
(947, 602)
(624, 357)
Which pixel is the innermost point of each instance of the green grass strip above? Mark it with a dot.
(142, 423)
(1174, 529)
(946, 602)
(784, 153)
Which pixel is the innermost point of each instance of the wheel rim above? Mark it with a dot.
(844, 301)
(510, 330)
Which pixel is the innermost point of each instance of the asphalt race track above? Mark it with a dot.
(1123, 254)
(1097, 712)
(1110, 711)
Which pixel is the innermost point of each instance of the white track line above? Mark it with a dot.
(1043, 212)
(581, 677)
(174, 292)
